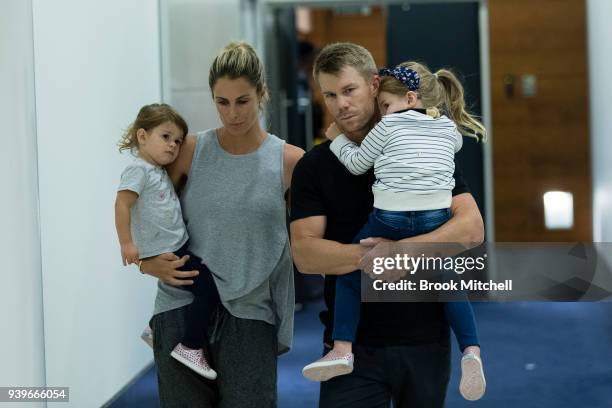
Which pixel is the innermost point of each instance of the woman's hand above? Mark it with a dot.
(332, 131)
(129, 254)
(165, 268)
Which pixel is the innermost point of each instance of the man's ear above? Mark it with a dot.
(375, 85)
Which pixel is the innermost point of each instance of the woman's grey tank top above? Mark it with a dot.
(235, 213)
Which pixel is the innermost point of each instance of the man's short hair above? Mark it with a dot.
(334, 57)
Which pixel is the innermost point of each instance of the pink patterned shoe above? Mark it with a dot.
(195, 360)
(147, 336)
(472, 386)
(329, 366)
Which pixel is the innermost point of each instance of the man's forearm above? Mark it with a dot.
(322, 256)
(465, 227)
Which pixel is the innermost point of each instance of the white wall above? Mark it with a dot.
(21, 342)
(193, 31)
(599, 13)
(96, 64)
(73, 76)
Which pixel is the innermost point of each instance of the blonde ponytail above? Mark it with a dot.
(454, 105)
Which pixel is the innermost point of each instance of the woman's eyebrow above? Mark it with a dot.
(239, 97)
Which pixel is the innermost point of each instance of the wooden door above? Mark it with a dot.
(540, 142)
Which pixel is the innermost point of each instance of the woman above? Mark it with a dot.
(233, 182)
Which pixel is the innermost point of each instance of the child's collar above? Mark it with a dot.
(419, 110)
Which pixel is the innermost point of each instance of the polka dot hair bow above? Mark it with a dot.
(406, 76)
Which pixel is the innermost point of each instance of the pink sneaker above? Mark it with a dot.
(329, 366)
(195, 360)
(472, 386)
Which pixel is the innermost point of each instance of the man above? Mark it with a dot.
(402, 350)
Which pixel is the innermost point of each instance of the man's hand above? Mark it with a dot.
(372, 242)
(332, 131)
(378, 247)
(129, 254)
(165, 268)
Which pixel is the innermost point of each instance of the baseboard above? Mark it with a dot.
(137, 377)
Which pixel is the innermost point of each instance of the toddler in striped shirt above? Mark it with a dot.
(412, 151)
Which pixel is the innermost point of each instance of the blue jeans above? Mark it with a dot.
(396, 225)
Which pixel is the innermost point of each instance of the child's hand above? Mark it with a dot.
(332, 131)
(129, 254)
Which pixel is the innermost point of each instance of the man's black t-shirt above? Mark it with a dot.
(321, 185)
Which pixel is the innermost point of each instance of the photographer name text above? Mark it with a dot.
(425, 285)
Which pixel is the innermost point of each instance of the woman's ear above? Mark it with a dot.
(263, 98)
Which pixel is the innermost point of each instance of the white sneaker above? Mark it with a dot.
(472, 386)
(194, 359)
(329, 366)
(147, 336)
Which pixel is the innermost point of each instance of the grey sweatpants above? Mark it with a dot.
(243, 353)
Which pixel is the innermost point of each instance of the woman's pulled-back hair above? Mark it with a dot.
(439, 92)
(149, 117)
(239, 60)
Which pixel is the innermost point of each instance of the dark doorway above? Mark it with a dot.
(444, 36)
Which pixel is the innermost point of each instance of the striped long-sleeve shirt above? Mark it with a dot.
(413, 158)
